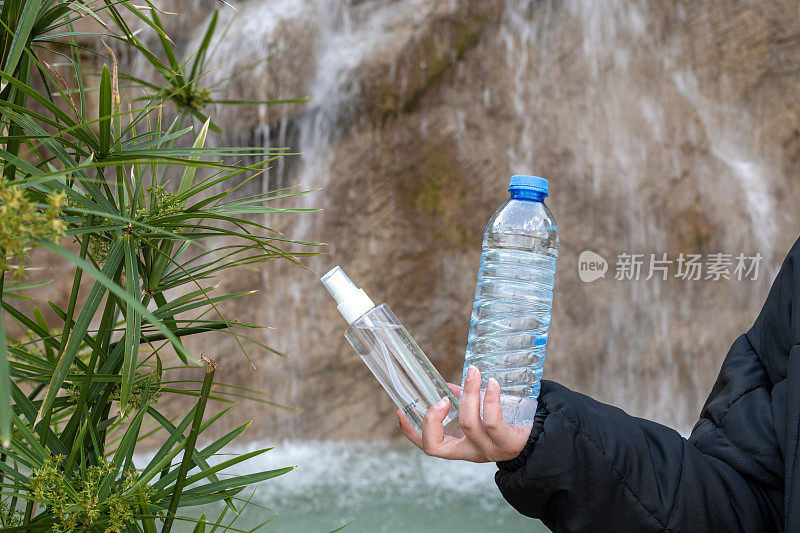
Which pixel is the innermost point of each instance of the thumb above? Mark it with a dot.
(432, 429)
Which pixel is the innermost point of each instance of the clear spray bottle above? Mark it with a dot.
(389, 351)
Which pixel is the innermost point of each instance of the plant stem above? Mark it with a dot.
(73, 298)
(68, 322)
(73, 295)
(68, 436)
(2, 285)
(191, 440)
(14, 130)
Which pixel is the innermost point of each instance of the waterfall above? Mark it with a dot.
(419, 112)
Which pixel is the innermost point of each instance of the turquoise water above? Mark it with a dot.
(379, 487)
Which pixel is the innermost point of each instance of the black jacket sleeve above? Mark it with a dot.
(591, 467)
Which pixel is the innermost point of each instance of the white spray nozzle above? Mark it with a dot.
(351, 301)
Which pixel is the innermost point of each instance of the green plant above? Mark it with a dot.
(138, 210)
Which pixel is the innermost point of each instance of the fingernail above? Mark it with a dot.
(492, 385)
(471, 372)
(441, 404)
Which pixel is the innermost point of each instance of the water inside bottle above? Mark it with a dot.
(511, 310)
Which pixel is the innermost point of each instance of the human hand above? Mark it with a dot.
(481, 442)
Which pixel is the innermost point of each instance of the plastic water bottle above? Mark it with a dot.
(389, 351)
(513, 297)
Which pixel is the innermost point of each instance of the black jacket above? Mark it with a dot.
(592, 467)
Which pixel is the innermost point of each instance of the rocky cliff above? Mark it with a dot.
(663, 128)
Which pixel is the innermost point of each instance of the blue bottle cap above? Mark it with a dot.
(528, 183)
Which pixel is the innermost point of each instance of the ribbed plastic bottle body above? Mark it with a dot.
(399, 364)
(513, 298)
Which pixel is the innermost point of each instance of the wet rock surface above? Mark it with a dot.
(663, 128)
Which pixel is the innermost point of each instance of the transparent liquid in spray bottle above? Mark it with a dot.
(389, 351)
